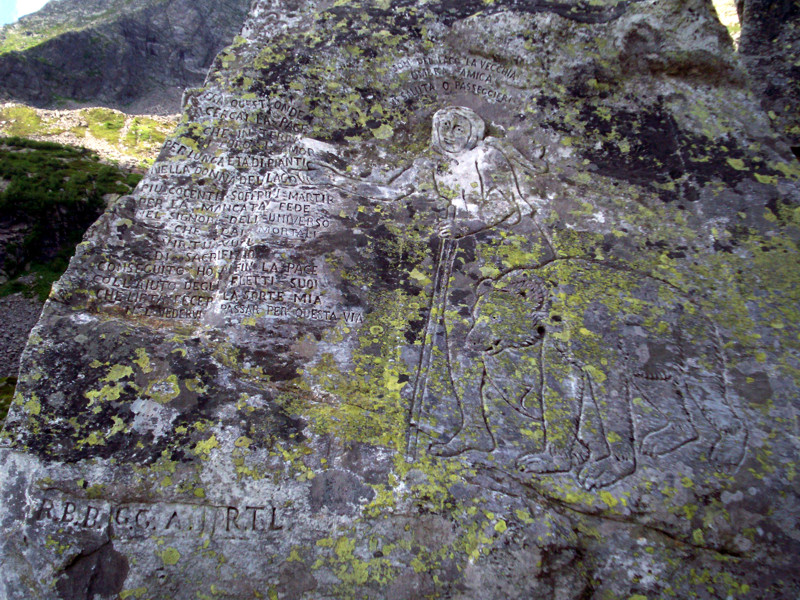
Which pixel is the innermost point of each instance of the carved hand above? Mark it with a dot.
(445, 229)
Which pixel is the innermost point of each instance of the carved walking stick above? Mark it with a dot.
(441, 283)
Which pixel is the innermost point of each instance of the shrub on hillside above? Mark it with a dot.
(52, 193)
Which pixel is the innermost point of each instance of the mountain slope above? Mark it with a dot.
(132, 141)
(136, 54)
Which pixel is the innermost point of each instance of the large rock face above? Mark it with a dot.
(429, 299)
(138, 55)
(770, 49)
(20, 314)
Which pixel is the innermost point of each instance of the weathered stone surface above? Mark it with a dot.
(770, 50)
(19, 315)
(429, 299)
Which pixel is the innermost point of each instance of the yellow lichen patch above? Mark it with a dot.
(697, 537)
(143, 360)
(790, 170)
(164, 390)
(608, 498)
(118, 427)
(368, 405)
(117, 372)
(56, 546)
(204, 447)
(93, 439)
(170, 556)
(737, 164)
(384, 132)
(95, 491)
(32, 405)
(352, 570)
(108, 393)
(195, 385)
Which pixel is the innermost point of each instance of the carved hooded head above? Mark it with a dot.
(456, 129)
(510, 312)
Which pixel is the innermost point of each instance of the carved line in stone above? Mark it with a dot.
(611, 456)
(457, 135)
(680, 427)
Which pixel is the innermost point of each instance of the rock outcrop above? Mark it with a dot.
(429, 299)
(770, 50)
(138, 56)
(19, 314)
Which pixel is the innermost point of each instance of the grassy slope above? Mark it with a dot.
(56, 192)
(129, 139)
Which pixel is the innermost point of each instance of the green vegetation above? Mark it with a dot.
(20, 120)
(7, 385)
(40, 27)
(136, 137)
(54, 192)
(17, 41)
(726, 11)
(105, 123)
(143, 131)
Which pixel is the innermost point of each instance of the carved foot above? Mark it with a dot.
(605, 471)
(544, 463)
(730, 447)
(669, 438)
(580, 453)
(462, 442)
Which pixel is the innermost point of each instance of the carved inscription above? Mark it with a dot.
(215, 212)
(478, 69)
(257, 519)
(277, 114)
(448, 74)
